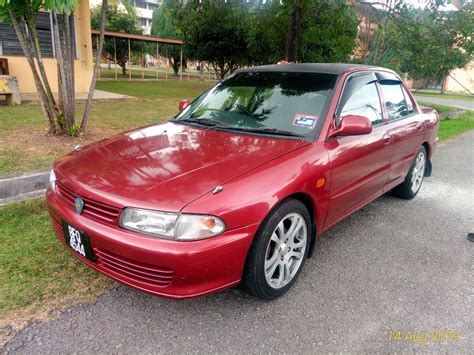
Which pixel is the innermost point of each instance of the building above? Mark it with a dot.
(462, 79)
(144, 9)
(18, 66)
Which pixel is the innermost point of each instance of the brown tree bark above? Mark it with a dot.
(33, 38)
(47, 107)
(62, 78)
(69, 69)
(294, 32)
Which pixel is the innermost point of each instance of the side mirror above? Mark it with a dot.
(183, 104)
(352, 125)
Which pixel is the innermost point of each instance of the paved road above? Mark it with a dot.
(464, 104)
(394, 265)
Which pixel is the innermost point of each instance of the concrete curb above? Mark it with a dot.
(24, 186)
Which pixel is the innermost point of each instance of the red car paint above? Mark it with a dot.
(174, 168)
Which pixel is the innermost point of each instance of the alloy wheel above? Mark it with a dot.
(418, 172)
(286, 250)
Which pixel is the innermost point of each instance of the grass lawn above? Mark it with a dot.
(25, 145)
(452, 128)
(36, 272)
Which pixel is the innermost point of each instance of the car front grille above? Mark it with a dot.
(123, 267)
(126, 268)
(93, 209)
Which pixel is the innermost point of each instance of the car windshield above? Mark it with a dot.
(283, 103)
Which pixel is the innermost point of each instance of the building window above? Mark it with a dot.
(140, 4)
(10, 45)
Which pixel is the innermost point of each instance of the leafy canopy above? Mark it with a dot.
(165, 23)
(232, 33)
(426, 43)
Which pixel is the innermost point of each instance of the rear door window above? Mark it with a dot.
(397, 103)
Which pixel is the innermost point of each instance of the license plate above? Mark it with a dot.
(78, 241)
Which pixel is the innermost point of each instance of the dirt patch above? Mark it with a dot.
(27, 150)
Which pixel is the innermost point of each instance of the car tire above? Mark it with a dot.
(414, 179)
(277, 244)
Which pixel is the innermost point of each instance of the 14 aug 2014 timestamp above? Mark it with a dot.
(423, 337)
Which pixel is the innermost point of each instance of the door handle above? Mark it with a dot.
(387, 138)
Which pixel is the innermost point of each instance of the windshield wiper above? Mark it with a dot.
(214, 123)
(273, 131)
(203, 121)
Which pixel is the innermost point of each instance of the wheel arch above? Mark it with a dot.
(306, 200)
(309, 203)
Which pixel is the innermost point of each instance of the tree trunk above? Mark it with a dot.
(220, 69)
(62, 75)
(90, 95)
(33, 37)
(444, 84)
(69, 70)
(48, 109)
(294, 32)
(175, 64)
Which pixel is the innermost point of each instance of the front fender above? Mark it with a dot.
(249, 198)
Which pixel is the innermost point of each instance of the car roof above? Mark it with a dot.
(325, 68)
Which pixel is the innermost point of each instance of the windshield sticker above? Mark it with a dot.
(304, 121)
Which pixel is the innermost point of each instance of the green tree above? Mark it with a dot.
(116, 50)
(425, 43)
(22, 15)
(303, 31)
(165, 24)
(329, 30)
(266, 35)
(216, 31)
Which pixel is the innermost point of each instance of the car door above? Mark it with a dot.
(360, 165)
(405, 126)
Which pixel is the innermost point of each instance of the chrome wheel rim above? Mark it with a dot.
(418, 172)
(286, 250)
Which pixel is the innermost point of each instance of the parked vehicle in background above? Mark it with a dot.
(236, 187)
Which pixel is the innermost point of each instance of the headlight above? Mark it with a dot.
(52, 180)
(172, 226)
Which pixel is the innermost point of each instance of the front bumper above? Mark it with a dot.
(162, 267)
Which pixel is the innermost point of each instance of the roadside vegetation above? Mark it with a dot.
(36, 272)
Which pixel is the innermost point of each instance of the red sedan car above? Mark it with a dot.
(238, 185)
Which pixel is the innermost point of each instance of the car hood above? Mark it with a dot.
(166, 166)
